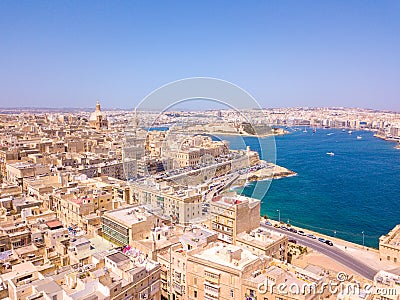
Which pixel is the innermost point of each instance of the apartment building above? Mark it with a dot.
(232, 215)
(263, 284)
(389, 246)
(182, 205)
(16, 172)
(217, 271)
(127, 224)
(262, 241)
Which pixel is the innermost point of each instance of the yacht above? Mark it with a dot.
(330, 153)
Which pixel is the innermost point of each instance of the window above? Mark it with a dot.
(195, 294)
(195, 281)
(232, 294)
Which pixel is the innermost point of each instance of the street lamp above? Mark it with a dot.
(363, 237)
(279, 215)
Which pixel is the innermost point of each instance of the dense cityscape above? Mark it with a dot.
(122, 205)
(199, 150)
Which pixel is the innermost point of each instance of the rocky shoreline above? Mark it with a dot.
(273, 171)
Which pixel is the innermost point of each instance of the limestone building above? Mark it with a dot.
(98, 119)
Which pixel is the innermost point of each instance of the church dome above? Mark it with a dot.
(97, 113)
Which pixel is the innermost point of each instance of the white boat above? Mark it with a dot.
(330, 133)
(350, 132)
(359, 137)
(330, 153)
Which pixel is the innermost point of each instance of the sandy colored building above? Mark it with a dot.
(262, 241)
(231, 215)
(98, 119)
(389, 283)
(125, 225)
(183, 205)
(217, 271)
(16, 172)
(263, 284)
(389, 245)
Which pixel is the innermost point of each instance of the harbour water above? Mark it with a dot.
(353, 191)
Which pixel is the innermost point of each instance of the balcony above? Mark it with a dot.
(211, 290)
(178, 288)
(212, 277)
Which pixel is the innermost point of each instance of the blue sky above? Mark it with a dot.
(285, 53)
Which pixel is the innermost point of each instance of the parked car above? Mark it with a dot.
(322, 240)
(293, 241)
(301, 232)
(284, 228)
(268, 223)
(328, 242)
(292, 230)
(311, 236)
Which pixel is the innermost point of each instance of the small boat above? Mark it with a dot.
(343, 130)
(330, 133)
(330, 153)
(305, 130)
(359, 137)
(350, 132)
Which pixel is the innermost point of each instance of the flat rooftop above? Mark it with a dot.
(234, 200)
(220, 254)
(118, 257)
(128, 215)
(392, 238)
(261, 237)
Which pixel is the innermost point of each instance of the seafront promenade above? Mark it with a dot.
(351, 252)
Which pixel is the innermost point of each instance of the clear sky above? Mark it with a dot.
(285, 53)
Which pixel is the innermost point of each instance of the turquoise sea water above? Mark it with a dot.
(355, 190)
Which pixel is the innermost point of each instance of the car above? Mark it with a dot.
(284, 228)
(328, 242)
(268, 223)
(322, 240)
(292, 230)
(301, 232)
(293, 241)
(311, 236)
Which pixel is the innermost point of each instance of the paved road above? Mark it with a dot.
(330, 251)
